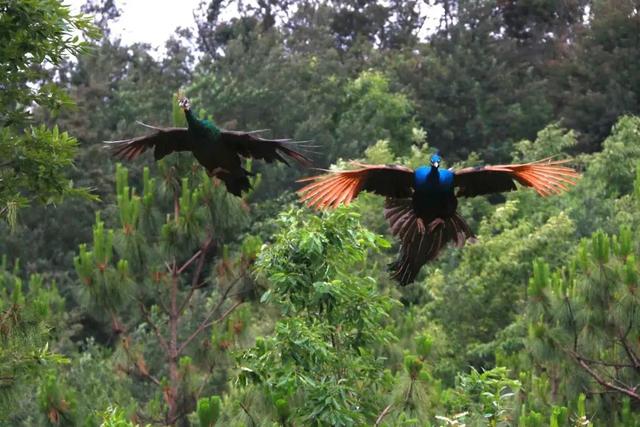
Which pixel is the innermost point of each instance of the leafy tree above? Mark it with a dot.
(597, 80)
(321, 367)
(35, 158)
(482, 398)
(372, 113)
(113, 86)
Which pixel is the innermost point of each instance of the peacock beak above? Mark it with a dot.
(435, 164)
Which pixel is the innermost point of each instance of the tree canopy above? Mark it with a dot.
(157, 298)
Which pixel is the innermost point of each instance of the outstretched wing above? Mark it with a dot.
(163, 140)
(333, 188)
(249, 145)
(546, 176)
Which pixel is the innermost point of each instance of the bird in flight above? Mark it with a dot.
(220, 151)
(421, 205)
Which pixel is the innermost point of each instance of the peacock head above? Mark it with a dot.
(435, 160)
(184, 103)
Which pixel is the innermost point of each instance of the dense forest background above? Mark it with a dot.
(145, 294)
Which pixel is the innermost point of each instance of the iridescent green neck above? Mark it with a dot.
(201, 126)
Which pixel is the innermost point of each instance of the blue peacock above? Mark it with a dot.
(421, 205)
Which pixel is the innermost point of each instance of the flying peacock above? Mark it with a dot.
(421, 205)
(219, 151)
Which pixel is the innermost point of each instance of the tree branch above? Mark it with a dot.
(142, 373)
(196, 276)
(604, 363)
(186, 300)
(383, 414)
(244, 408)
(206, 323)
(190, 261)
(627, 348)
(161, 339)
(573, 323)
(631, 392)
(223, 298)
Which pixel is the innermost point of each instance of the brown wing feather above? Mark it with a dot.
(249, 145)
(163, 140)
(334, 188)
(546, 177)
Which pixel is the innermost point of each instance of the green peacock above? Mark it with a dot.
(220, 151)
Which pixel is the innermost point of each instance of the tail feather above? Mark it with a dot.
(236, 182)
(420, 243)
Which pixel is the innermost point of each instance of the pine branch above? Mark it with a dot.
(206, 323)
(144, 374)
(156, 329)
(627, 348)
(186, 300)
(196, 276)
(407, 398)
(383, 414)
(203, 324)
(573, 323)
(629, 391)
(609, 364)
(253, 421)
(630, 353)
(202, 251)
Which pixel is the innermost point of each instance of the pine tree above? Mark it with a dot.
(163, 277)
(583, 323)
(26, 312)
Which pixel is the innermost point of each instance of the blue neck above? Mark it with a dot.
(430, 179)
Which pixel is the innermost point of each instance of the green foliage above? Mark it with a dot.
(371, 113)
(483, 398)
(320, 367)
(481, 293)
(114, 417)
(208, 410)
(27, 310)
(35, 158)
(366, 80)
(581, 317)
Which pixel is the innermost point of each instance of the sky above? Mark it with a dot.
(154, 21)
(148, 21)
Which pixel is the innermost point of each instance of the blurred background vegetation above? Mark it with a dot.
(281, 316)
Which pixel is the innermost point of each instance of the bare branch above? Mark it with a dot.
(629, 391)
(606, 384)
(143, 373)
(223, 298)
(186, 300)
(190, 261)
(156, 329)
(205, 324)
(244, 408)
(627, 348)
(383, 414)
(605, 363)
(573, 323)
(196, 283)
